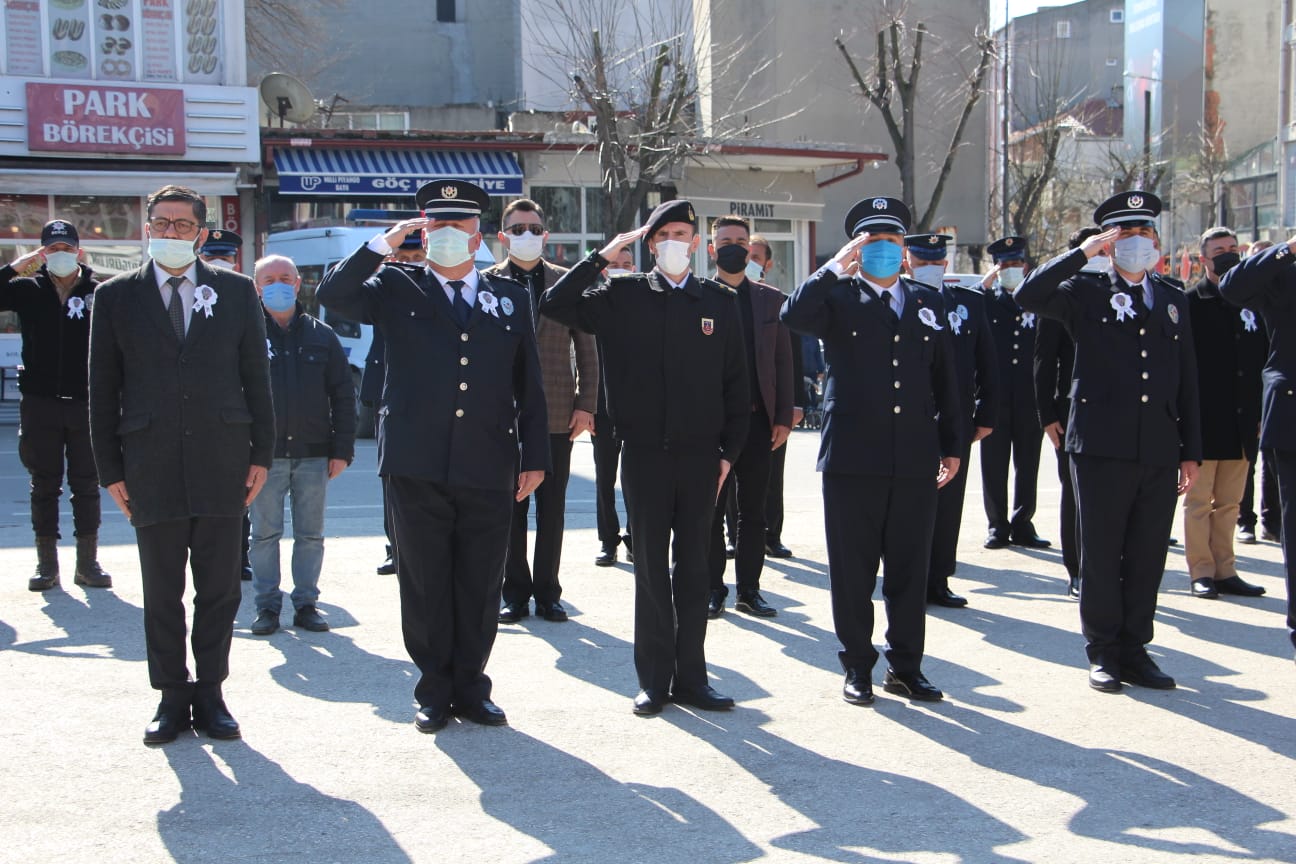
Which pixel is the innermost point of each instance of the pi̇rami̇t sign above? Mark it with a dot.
(82, 118)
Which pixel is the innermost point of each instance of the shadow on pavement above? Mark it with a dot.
(91, 618)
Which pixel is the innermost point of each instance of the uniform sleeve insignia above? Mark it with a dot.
(708, 326)
(506, 304)
(1173, 311)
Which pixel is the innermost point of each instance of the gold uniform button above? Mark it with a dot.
(458, 412)
(463, 385)
(1014, 361)
(1142, 331)
(1143, 398)
(897, 385)
(463, 361)
(897, 338)
(463, 337)
(895, 362)
(897, 409)
(1143, 353)
(853, 333)
(1145, 376)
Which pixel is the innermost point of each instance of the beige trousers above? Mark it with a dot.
(1210, 518)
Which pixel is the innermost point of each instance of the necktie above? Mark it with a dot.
(175, 307)
(889, 302)
(461, 308)
(1136, 298)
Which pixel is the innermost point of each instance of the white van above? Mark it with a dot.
(316, 250)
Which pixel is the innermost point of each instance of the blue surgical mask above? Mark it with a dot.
(61, 263)
(172, 252)
(754, 271)
(278, 296)
(448, 246)
(1136, 254)
(1011, 277)
(930, 274)
(881, 259)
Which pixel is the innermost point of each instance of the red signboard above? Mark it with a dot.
(85, 118)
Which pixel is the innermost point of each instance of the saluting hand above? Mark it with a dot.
(988, 280)
(1097, 244)
(621, 241)
(949, 468)
(398, 232)
(848, 255)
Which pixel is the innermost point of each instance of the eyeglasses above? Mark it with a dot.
(183, 227)
(519, 230)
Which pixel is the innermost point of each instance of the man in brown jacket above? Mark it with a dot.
(571, 394)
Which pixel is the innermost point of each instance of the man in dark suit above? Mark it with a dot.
(1266, 283)
(182, 425)
(1053, 362)
(571, 395)
(1231, 348)
(769, 380)
(892, 435)
(607, 450)
(462, 394)
(926, 258)
(1016, 439)
(1134, 433)
(677, 394)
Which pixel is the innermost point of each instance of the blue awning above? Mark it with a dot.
(391, 173)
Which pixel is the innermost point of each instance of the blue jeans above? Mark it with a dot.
(305, 480)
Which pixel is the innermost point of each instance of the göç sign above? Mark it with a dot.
(81, 118)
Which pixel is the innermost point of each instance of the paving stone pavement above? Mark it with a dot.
(1021, 762)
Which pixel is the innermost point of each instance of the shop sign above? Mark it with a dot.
(82, 118)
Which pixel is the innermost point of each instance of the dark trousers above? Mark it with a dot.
(452, 544)
(1126, 509)
(749, 480)
(53, 432)
(1284, 462)
(1270, 514)
(607, 455)
(210, 545)
(1017, 439)
(540, 580)
(868, 520)
(671, 494)
(1068, 517)
(945, 534)
(774, 497)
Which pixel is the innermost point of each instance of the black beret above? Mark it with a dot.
(678, 210)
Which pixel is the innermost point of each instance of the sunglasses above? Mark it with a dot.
(519, 230)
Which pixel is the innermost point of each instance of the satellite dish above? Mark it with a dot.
(287, 98)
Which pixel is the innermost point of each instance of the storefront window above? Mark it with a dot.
(101, 217)
(23, 216)
(562, 207)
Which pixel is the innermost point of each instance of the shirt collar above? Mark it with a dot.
(469, 279)
(190, 275)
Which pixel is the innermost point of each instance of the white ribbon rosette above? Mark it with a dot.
(205, 298)
(955, 322)
(928, 317)
(1123, 305)
(1248, 321)
(489, 303)
(1028, 319)
(76, 308)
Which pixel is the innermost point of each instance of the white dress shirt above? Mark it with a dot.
(186, 290)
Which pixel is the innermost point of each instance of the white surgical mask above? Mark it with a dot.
(1097, 264)
(61, 263)
(528, 247)
(220, 263)
(930, 274)
(614, 271)
(448, 246)
(1011, 277)
(1136, 254)
(754, 271)
(171, 252)
(672, 256)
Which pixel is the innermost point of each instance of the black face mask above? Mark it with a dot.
(732, 258)
(1224, 262)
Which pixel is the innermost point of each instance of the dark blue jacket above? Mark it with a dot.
(975, 357)
(314, 397)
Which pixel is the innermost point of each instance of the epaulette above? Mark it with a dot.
(509, 280)
(716, 285)
(1169, 280)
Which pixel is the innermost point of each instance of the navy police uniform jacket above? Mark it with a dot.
(1013, 332)
(674, 359)
(1134, 386)
(975, 357)
(892, 403)
(1266, 283)
(456, 404)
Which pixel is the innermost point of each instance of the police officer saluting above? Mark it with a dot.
(926, 258)
(884, 452)
(678, 396)
(462, 392)
(1017, 437)
(1134, 434)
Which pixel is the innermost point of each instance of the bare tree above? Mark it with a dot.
(283, 34)
(892, 87)
(1202, 177)
(641, 72)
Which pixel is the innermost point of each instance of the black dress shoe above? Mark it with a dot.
(171, 719)
(1246, 535)
(1270, 535)
(775, 549)
(996, 541)
(308, 618)
(386, 568)
(1173, 541)
(1145, 673)
(267, 622)
(1104, 678)
(1235, 585)
(913, 685)
(606, 558)
(858, 688)
(752, 603)
(946, 598)
(704, 697)
(1030, 540)
(648, 703)
(715, 604)
(511, 613)
(625, 540)
(211, 716)
(1204, 588)
(429, 719)
(551, 611)
(1073, 587)
(483, 713)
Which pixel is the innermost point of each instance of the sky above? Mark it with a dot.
(1016, 8)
